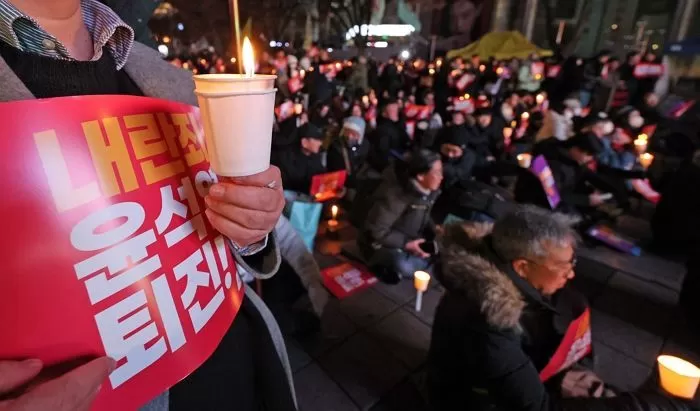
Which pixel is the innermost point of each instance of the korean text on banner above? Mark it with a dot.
(110, 252)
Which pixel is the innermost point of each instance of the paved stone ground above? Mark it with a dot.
(372, 347)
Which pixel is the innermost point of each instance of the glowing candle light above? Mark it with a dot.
(421, 280)
(678, 377)
(524, 160)
(646, 159)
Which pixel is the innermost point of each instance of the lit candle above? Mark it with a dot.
(538, 76)
(646, 159)
(643, 136)
(499, 71)
(431, 71)
(482, 68)
(513, 123)
(438, 62)
(539, 98)
(365, 100)
(298, 108)
(338, 66)
(238, 133)
(524, 160)
(507, 133)
(421, 279)
(525, 116)
(640, 145)
(333, 222)
(302, 73)
(467, 96)
(678, 377)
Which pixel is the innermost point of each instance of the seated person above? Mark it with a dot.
(390, 135)
(457, 159)
(558, 121)
(398, 224)
(299, 164)
(504, 314)
(580, 189)
(349, 151)
(482, 136)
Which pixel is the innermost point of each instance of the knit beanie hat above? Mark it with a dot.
(309, 130)
(356, 124)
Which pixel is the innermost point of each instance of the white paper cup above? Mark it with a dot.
(237, 115)
(678, 377)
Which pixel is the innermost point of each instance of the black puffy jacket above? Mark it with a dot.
(493, 333)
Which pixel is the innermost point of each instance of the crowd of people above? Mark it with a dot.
(425, 142)
(421, 142)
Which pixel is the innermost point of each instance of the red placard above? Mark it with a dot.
(465, 105)
(575, 345)
(417, 112)
(553, 71)
(347, 279)
(465, 81)
(110, 252)
(326, 185)
(284, 110)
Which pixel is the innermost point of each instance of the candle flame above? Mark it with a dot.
(525, 116)
(334, 211)
(248, 58)
(679, 366)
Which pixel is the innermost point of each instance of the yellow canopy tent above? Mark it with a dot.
(501, 45)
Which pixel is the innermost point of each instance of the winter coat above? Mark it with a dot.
(493, 333)
(400, 213)
(456, 170)
(386, 137)
(297, 168)
(592, 72)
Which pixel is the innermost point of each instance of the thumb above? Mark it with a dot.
(74, 390)
(420, 241)
(14, 374)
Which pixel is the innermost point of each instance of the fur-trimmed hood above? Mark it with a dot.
(467, 269)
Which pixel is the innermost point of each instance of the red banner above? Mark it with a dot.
(575, 345)
(107, 250)
(346, 279)
(553, 71)
(417, 112)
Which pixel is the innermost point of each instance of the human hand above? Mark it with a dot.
(246, 209)
(582, 384)
(72, 391)
(413, 247)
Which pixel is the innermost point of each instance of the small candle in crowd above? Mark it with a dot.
(646, 159)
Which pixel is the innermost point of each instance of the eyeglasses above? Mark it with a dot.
(572, 263)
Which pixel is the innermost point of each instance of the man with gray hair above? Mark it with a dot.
(508, 333)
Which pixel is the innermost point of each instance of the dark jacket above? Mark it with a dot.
(456, 170)
(493, 334)
(574, 182)
(400, 213)
(386, 137)
(592, 72)
(297, 168)
(341, 156)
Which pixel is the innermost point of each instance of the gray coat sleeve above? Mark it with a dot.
(381, 220)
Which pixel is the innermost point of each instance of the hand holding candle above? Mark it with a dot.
(524, 160)
(237, 118)
(646, 159)
(421, 280)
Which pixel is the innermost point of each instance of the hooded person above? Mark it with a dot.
(349, 151)
(457, 159)
(505, 312)
(299, 164)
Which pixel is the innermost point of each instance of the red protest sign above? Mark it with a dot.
(110, 252)
(575, 345)
(417, 111)
(325, 186)
(346, 279)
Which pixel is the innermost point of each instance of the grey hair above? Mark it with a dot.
(527, 231)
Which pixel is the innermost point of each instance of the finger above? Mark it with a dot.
(250, 197)
(251, 219)
(14, 374)
(234, 231)
(420, 241)
(72, 391)
(263, 179)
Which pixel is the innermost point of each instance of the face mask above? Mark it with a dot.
(637, 121)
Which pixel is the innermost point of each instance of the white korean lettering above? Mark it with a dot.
(168, 313)
(85, 236)
(126, 328)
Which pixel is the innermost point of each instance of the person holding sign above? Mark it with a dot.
(80, 48)
(509, 334)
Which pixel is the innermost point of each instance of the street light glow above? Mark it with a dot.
(405, 54)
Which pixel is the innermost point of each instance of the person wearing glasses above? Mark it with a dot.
(500, 339)
(398, 233)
